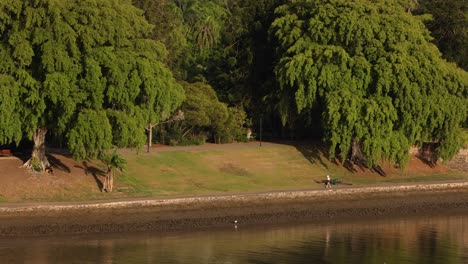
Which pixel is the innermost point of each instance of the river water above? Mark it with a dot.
(414, 240)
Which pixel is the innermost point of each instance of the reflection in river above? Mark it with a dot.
(419, 240)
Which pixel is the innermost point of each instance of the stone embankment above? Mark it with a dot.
(460, 161)
(230, 200)
(177, 214)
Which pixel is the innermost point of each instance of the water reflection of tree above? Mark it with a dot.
(403, 241)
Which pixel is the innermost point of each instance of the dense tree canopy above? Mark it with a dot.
(371, 66)
(364, 75)
(190, 29)
(202, 109)
(449, 27)
(241, 67)
(84, 70)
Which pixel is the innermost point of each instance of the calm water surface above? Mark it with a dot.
(419, 240)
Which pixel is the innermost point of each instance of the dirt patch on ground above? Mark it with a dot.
(415, 166)
(68, 177)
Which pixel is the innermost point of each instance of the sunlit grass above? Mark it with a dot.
(246, 169)
(215, 171)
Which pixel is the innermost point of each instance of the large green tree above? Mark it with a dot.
(190, 29)
(371, 69)
(241, 67)
(84, 70)
(169, 29)
(449, 27)
(202, 109)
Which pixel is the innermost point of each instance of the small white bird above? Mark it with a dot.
(235, 221)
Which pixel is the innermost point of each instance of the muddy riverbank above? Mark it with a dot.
(134, 215)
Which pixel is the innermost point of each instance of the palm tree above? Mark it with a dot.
(114, 162)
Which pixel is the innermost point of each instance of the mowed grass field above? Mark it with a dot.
(237, 168)
(233, 169)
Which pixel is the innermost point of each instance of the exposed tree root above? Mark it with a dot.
(38, 160)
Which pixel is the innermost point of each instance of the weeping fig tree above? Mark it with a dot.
(380, 82)
(82, 70)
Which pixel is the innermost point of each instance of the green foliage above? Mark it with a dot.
(204, 113)
(10, 119)
(192, 139)
(226, 44)
(449, 27)
(90, 135)
(202, 107)
(85, 70)
(127, 129)
(190, 29)
(205, 20)
(372, 69)
(233, 129)
(465, 137)
(240, 68)
(114, 162)
(205, 117)
(169, 27)
(36, 164)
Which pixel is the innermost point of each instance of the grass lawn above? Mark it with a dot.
(219, 171)
(237, 168)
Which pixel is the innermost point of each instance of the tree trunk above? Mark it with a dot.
(108, 183)
(162, 135)
(111, 182)
(150, 136)
(104, 184)
(38, 160)
(356, 154)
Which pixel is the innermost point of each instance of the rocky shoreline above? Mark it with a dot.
(192, 213)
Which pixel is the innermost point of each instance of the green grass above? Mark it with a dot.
(266, 168)
(215, 171)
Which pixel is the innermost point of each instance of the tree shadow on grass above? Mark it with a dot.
(312, 151)
(315, 152)
(96, 172)
(363, 167)
(58, 164)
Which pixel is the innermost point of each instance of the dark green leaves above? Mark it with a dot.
(85, 70)
(90, 134)
(381, 82)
